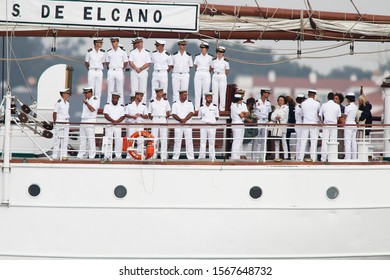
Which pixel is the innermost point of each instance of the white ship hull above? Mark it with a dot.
(206, 212)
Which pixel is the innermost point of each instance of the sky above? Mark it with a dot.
(324, 66)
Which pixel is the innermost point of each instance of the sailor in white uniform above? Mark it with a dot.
(61, 130)
(135, 113)
(182, 63)
(310, 110)
(209, 114)
(330, 112)
(202, 79)
(262, 112)
(115, 114)
(162, 64)
(87, 131)
(238, 112)
(299, 120)
(117, 62)
(139, 60)
(94, 61)
(182, 112)
(350, 131)
(159, 111)
(220, 66)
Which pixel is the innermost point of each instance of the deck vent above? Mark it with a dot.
(120, 191)
(255, 192)
(332, 193)
(34, 190)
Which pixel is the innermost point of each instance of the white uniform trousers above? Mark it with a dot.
(139, 140)
(61, 139)
(159, 80)
(95, 80)
(284, 145)
(259, 144)
(312, 134)
(329, 134)
(207, 133)
(139, 82)
(189, 144)
(180, 81)
(115, 80)
(350, 144)
(298, 132)
(238, 138)
(87, 139)
(202, 82)
(113, 133)
(219, 85)
(160, 134)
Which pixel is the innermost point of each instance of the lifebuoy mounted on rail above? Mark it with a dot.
(129, 142)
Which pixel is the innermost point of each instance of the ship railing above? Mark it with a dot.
(369, 146)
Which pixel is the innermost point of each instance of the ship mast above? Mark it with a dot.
(7, 131)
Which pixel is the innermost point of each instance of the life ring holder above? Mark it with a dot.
(129, 142)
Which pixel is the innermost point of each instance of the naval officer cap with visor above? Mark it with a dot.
(65, 90)
(87, 89)
(160, 43)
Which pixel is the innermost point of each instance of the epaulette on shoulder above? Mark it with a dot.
(102, 50)
(151, 101)
(188, 54)
(189, 101)
(155, 51)
(147, 50)
(89, 50)
(109, 50)
(215, 105)
(122, 105)
(167, 99)
(173, 101)
(144, 104)
(227, 60)
(214, 58)
(59, 100)
(299, 105)
(243, 102)
(94, 98)
(167, 53)
(123, 49)
(107, 103)
(175, 53)
(197, 54)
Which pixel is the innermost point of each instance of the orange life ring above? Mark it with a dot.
(129, 142)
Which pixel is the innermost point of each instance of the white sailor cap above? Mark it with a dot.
(208, 94)
(115, 93)
(182, 91)
(239, 96)
(65, 90)
(300, 95)
(139, 92)
(181, 42)
(221, 49)
(137, 40)
(87, 89)
(160, 42)
(132, 94)
(204, 45)
(98, 40)
(312, 91)
(263, 90)
(158, 89)
(114, 39)
(350, 94)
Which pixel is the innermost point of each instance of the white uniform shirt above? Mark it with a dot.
(350, 111)
(87, 114)
(203, 62)
(262, 110)
(95, 58)
(182, 62)
(114, 111)
(132, 109)
(182, 109)
(220, 65)
(330, 111)
(235, 111)
(282, 112)
(310, 110)
(209, 114)
(139, 58)
(159, 108)
(62, 109)
(298, 114)
(161, 60)
(116, 58)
